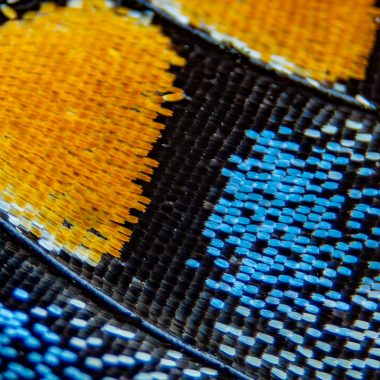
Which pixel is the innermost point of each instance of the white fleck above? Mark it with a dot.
(175, 354)
(192, 373)
(340, 87)
(363, 101)
(364, 137)
(373, 156)
(313, 133)
(47, 244)
(357, 157)
(15, 221)
(167, 363)
(329, 129)
(209, 371)
(347, 143)
(78, 304)
(4, 206)
(313, 82)
(355, 125)
(172, 8)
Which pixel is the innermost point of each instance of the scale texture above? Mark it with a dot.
(222, 217)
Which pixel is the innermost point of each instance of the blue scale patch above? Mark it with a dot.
(32, 348)
(283, 256)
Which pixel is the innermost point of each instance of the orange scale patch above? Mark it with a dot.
(327, 40)
(78, 99)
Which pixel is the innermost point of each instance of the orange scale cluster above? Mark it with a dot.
(327, 40)
(78, 102)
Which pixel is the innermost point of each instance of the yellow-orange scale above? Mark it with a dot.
(327, 40)
(80, 89)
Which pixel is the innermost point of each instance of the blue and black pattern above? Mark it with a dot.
(282, 255)
(258, 256)
(49, 329)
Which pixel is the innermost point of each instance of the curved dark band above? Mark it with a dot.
(118, 308)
